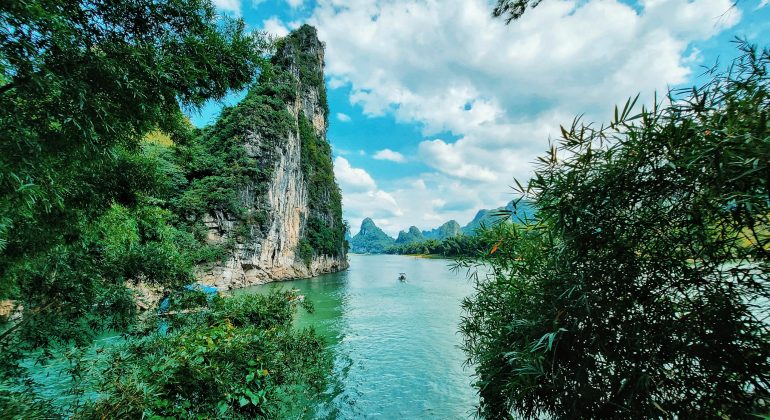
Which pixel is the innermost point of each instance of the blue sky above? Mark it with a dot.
(436, 107)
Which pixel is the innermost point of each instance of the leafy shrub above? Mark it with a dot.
(238, 357)
(79, 91)
(640, 288)
(305, 251)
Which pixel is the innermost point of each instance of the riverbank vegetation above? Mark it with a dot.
(233, 357)
(103, 184)
(451, 247)
(640, 287)
(476, 245)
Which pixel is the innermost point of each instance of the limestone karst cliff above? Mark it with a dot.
(284, 220)
(449, 229)
(517, 211)
(407, 237)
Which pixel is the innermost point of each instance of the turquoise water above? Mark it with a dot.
(395, 344)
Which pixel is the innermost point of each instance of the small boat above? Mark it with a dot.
(402, 276)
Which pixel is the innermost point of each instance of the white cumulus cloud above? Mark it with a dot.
(501, 91)
(275, 27)
(449, 159)
(361, 198)
(233, 6)
(343, 117)
(295, 3)
(387, 154)
(352, 179)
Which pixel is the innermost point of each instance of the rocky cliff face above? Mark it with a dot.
(289, 222)
(449, 229)
(410, 236)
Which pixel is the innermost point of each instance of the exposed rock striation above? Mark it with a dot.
(288, 223)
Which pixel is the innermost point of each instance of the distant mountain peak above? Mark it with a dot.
(408, 237)
(518, 212)
(370, 239)
(449, 229)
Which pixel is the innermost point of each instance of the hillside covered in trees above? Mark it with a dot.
(111, 200)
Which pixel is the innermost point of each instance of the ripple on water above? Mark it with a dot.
(395, 344)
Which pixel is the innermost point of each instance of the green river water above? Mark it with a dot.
(396, 345)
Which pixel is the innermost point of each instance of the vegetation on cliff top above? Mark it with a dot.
(299, 47)
(325, 230)
(103, 183)
(219, 167)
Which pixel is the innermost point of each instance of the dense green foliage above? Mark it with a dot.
(103, 184)
(325, 231)
(216, 161)
(640, 288)
(237, 357)
(457, 246)
(81, 202)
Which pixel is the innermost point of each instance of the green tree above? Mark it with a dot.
(103, 183)
(81, 84)
(640, 288)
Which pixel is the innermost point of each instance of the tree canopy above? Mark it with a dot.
(81, 85)
(640, 287)
(102, 182)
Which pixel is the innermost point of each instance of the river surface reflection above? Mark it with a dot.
(395, 344)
